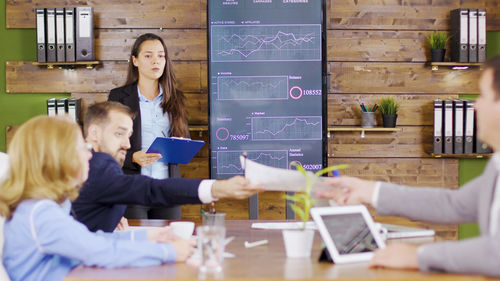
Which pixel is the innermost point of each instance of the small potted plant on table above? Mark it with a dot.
(298, 242)
(389, 109)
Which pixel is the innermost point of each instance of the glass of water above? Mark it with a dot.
(211, 246)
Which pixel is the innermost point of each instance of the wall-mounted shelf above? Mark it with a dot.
(68, 65)
(362, 130)
(455, 65)
(200, 129)
(472, 155)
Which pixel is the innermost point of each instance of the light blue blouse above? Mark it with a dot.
(43, 242)
(153, 124)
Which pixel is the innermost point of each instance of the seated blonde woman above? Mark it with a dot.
(49, 160)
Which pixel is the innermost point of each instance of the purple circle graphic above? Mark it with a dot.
(299, 91)
(223, 138)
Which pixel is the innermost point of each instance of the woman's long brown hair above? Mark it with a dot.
(173, 100)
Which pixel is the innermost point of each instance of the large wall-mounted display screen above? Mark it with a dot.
(266, 73)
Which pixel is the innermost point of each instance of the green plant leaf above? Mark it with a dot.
(332, 168)
(300, 213)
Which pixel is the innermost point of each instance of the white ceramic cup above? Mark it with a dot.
(183, 229)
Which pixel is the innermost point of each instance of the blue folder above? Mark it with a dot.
(175, 150)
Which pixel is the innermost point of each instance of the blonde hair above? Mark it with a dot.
(44, 163)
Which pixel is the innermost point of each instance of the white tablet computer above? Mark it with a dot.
(349, 232)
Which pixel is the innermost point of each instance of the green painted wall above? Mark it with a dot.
(17, 45)
(471, 168)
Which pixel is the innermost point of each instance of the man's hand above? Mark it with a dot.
(236, 188)
(349, 190)
(122, 225)
(145, 159)
(397, 255)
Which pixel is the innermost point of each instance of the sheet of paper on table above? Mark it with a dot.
(276, 179)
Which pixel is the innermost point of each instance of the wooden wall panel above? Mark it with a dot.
(414, 141)
(408, 171)
(404, 78)
(117, 13)
(374, 45)
(414, 109)
(182, 44)
(24, 77)
(404, 14)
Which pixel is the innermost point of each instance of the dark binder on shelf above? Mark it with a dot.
(448, 127)
(62, 106)
(69, 22)
(469, 127)
(74, 109)
(51, 34)
(481, 35)
(84, 34)
(458, 126)
(60, 48)
(472, 35)
(479, 146)
(459, 42)
(438, 126)
(51, 107)
(41, 47)
(175, 150)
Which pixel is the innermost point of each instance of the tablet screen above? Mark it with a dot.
(350, 233)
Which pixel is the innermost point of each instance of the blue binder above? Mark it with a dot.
(175, 150)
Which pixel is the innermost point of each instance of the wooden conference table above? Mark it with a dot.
(267, 262)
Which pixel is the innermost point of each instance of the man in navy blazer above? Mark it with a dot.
(477, 201)
(107, 192)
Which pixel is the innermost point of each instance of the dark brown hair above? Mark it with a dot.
(99, 113)
(494, 64)
(173, 100)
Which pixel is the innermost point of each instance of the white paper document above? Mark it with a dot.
(284, 225)
(276, 179)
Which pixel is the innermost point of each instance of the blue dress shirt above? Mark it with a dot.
(42, 242)
(154, 123)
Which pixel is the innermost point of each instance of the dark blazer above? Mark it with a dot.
(128, 96)
(107, 191)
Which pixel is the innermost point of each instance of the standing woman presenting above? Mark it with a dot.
(161, 112)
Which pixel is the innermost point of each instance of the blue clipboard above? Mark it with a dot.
(175, 150)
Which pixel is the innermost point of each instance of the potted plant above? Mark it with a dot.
(389, 109)
(298, 243)
(437, 41)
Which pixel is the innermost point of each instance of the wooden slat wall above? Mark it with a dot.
(375, 48)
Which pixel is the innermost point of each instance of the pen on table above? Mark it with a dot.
(163, 133)
(255, 244)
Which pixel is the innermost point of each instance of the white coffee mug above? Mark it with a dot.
(183, 229)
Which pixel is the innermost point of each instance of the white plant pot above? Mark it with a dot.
(298, 243)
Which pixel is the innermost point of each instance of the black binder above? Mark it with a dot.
(74, 109)
(62, 106)
(40, 35)
(60, 48)
(70, 33)
(481, 35)
(84, 34)
(458, 126)
(448, 127)
(51, 107)
(469, 126)
(472, 35)
(459, 42)
(51, 35)
(438, 126)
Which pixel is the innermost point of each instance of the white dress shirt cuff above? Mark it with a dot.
(376, 192)
(205, 191)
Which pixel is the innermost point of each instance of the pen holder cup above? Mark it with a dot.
(216, 219)
(367, 119)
